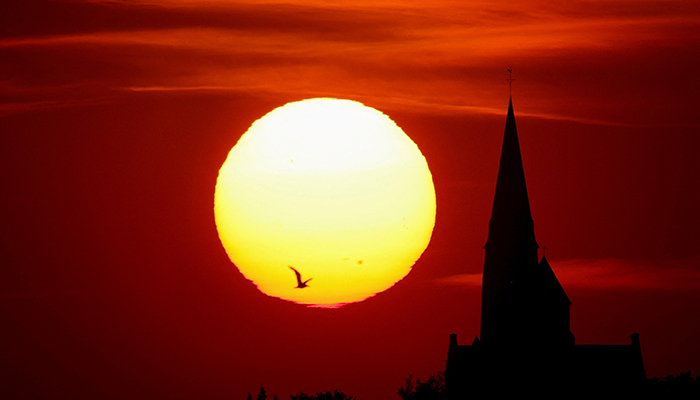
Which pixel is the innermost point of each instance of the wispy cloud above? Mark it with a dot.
(439, 57)
(612, 274)
(461, 279)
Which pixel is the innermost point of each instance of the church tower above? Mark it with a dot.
(521, 299)
(526, 345)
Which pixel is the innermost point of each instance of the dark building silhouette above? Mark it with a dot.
(526, 345)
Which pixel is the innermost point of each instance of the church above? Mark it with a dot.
(525, 345)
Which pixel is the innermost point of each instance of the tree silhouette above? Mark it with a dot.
(432, 389)
(681, 386)
(335, 395)
(261, 394)
(300, 396)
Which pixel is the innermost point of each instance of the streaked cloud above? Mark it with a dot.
(444, 56)
(612, 274)
(461, 279)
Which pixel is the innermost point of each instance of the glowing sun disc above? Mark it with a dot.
(332, 188)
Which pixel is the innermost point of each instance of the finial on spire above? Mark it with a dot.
(510, 81)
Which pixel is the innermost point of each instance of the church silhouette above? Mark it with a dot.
(525, 344)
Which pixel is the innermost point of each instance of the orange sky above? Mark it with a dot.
(116, 116)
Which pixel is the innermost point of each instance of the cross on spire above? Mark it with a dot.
(510, 81)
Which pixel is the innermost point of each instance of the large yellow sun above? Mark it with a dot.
(331, 188)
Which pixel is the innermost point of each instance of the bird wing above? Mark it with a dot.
(296, 273)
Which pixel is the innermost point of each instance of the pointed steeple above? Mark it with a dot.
(511, 219)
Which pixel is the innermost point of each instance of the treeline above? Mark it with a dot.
(334, 395)
(432, 389)
(681, 386)
(670, 387)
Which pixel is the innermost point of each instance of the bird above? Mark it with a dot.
(300, 284)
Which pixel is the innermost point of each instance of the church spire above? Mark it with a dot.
(511, 249)
(510, 217)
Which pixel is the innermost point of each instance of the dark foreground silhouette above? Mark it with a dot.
(334, 395)
(670, 387)
(432, 389)
(681, 386)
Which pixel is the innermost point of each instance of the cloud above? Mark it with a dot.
(12, 108)
(461, 280)
(443, 57)
(612, 274)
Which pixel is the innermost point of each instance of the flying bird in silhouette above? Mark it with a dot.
(300, 284)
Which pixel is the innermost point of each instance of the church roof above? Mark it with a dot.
(550, 283)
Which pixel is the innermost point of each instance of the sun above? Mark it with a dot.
(332, 189)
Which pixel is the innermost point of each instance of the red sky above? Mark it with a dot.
(115, 117)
